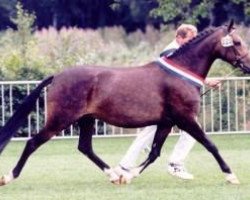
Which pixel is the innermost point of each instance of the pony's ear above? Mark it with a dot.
(230, 26)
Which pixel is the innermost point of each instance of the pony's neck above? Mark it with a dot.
(198, 55)
(196, 64)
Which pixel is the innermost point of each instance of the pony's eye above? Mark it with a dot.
(237, 43)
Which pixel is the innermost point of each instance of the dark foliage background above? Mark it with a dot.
(131, 14)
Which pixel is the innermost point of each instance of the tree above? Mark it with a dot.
(7, 9)
(134, 14)
(131, 14)
(78, 13)
(44, 10)
(182, 10)
(24, 22)
(202, 12)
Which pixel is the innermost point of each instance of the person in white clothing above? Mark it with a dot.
(144, 139)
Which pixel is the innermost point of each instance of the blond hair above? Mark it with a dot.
(183, 29)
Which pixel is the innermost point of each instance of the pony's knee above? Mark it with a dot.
(84, 149)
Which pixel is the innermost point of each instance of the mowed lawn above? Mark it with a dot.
(59, 171)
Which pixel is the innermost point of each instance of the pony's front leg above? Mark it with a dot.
(160, 136)
(193, 128)
(86, 125)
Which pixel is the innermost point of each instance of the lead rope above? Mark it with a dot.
(219, 82)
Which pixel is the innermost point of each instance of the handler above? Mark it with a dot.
(145, 138)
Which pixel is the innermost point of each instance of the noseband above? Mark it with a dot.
(237, 62)
(238, 58)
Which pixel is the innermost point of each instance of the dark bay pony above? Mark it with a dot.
(131, 97)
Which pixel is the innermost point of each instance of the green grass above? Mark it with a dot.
(58, 171)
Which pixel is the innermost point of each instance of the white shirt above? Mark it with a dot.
(170, 48)
(172, 45)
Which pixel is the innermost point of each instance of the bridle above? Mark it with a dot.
(238, 59)
(237, 62)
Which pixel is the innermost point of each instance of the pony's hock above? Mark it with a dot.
(131, 97)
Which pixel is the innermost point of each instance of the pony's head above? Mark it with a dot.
(233, 49)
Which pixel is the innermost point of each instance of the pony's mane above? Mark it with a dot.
(201, 36)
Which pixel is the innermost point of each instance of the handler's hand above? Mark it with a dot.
(213, 83)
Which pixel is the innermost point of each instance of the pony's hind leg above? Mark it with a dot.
(160, 136)
(86, 125)
(32, 144)
(159, 139)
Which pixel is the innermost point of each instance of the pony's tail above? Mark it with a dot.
(21, 114)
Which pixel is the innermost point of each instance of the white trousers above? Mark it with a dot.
(182, 148)
(145, 138)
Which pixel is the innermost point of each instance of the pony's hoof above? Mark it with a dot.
(121, 181)
(232, 178)
(2, 181)
(136, 171)
(6, 179)
(125, 180)
(113, 177)
(116, 182)
(125, 177)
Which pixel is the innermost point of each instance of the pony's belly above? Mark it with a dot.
(131, 123)
(130, 119)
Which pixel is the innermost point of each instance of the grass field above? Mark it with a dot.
(58, 171)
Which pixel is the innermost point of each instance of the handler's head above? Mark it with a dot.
(184, 33)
